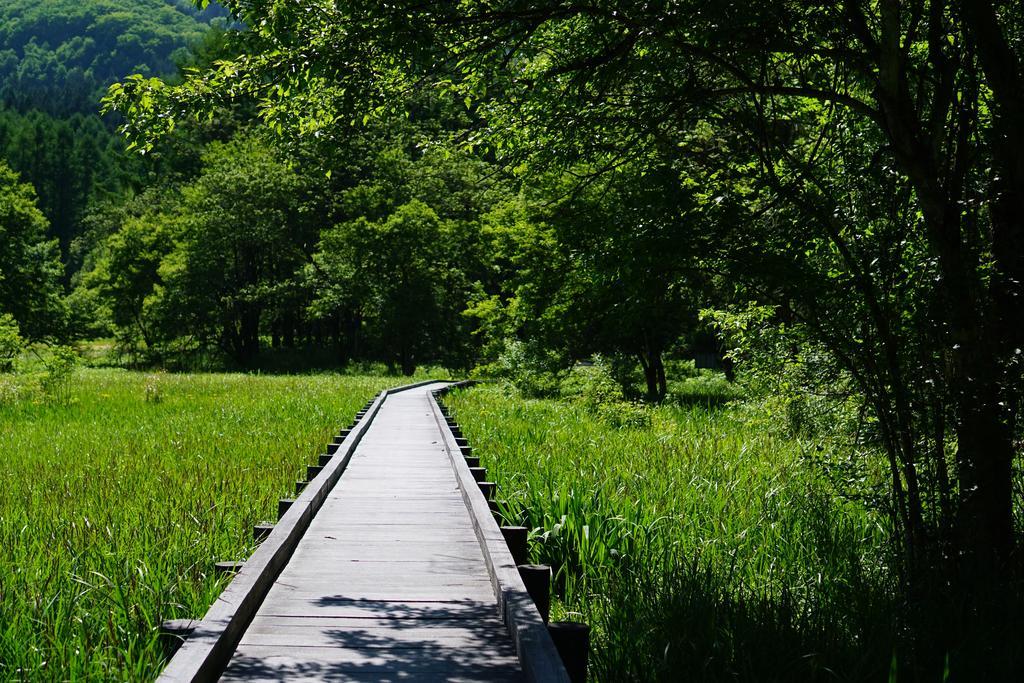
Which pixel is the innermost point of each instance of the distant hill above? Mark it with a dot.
(58, 56)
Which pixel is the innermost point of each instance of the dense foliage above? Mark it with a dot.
(852, 170)
(73, 163)
(30, 268)
(58, 55)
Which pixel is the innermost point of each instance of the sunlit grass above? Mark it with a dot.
(698, 548)
(114, 508)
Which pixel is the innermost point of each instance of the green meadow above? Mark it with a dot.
(698, 547)
(117, 499)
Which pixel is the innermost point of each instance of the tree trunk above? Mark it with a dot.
(985, 453)
(289, 332)
(654, 373)
(662, 380)
(407, 362)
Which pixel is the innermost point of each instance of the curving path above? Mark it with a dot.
(389, 582)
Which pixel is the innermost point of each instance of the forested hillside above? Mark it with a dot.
(58, 56)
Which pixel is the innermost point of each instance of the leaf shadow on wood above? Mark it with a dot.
(460, 640)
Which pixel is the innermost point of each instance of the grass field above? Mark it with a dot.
(698, 548)
(115, 504)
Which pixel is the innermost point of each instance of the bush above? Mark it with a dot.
(531, 370)
(596, 389)
(59, 368)
(11, 343)
(593, 385)
(707, 387)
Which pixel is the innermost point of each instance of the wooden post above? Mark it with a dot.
(325, 459)
(283, 505)
(332, 448)
(174, 633)
(222, 568)
(261, 531)
(461, 442)
(312, 471)
(479, 473)
(473, 461)
(466, 450)
(517, 538)
(487, 488)
(537, 579)
(300, 486)
(572, 640)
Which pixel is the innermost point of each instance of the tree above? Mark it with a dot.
(392, 271)
(245, 235)
(30, 270)
(125, 270)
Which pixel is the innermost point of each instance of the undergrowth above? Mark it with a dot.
(698, 548)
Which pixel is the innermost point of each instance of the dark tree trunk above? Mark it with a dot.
(289, 332)
(654, 374)
(985, 455)
(973, 321)
(662, 380)
(248, 336)
(407, 361)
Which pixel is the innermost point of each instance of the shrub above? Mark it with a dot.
(596, 389)
(593, 385)
(11, 343)
(530, 369)
(59, 368)
(707, 387)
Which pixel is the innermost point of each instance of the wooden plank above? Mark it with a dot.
(366, 608)
(377, 633)
(477, 664)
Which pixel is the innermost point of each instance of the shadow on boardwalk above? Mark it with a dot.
(383, 653)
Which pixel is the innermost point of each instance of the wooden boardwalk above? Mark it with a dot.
(390, 581)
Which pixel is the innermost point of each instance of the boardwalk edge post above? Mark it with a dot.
(535, 649)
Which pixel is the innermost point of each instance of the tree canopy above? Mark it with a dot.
(30, 269)
(58, 55)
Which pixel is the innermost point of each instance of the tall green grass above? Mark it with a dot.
(115, 505)
(698, 548)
